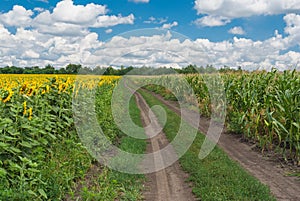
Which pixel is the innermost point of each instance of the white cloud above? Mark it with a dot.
(157, 50)
(237, 31)
(108, 31)
(44, 18)
(38, 9)
(45, 23)
(293, 27)
(139, 1)
(163, 50)
(150, 20)
(65, 11)
(3, 32)
(30, 54)
(66, 19)
(18, 16)
(290, 59)
(221, 12)
(210, 21)
(236, 8)
(153, 20)
(62, 29)
(107, 21)
(169, 25)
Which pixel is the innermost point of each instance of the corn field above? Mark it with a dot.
(266, 107)
(262, 106)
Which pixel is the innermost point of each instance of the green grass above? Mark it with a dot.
(114, 185)
(216, 177)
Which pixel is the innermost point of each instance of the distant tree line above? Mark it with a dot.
(48, 69)
(78, 69)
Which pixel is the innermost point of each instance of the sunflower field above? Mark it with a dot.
(40, 153)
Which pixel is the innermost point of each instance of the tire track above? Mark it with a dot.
(167, 184)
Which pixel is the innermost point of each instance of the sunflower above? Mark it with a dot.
(10, 94)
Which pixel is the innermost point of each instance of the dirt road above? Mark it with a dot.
(269, 172)
(167, 184)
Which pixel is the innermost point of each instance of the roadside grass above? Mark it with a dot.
(69, 164)
(113, 185)
(216, 177)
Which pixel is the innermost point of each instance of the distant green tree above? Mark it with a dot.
(73, 68)
(190, 69)
(110, 71)
(11, 70)
(49, 69)
(61, 71)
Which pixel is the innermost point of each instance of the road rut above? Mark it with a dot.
(168, 184)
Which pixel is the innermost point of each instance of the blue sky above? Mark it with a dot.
(249, 33)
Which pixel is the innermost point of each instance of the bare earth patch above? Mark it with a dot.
(89, 180)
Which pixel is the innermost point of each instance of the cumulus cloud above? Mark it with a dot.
(163, 50)
(30, 54)
(170, 25)
(211, 21)
(65, 11)
(65, 19)
(293, 27)
(18, 16)
(236, 8)
(108, 21)
(157, 50)
(237, 31)
(218, 10)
